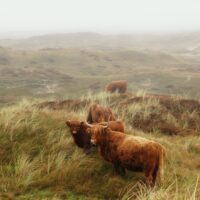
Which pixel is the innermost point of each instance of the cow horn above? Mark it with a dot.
(107, 125)
(67, 122)
(89, 125)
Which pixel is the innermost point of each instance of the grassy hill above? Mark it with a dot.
(40, 161)
(71, 72)
(45, 80)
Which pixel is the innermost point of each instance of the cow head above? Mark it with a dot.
(96, 132)
(75, 126)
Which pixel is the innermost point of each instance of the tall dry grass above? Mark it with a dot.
(38, 159)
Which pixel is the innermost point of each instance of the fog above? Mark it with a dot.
(30, 17)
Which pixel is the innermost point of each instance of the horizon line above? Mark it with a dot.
(29, 34)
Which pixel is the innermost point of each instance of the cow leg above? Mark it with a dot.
(118, 168)
(88, 150)
(155, 175)
(149, 177)
(122, 170)
(115, 169)
(120, 90)
(114, 90)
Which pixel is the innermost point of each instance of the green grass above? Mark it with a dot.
(38, 159)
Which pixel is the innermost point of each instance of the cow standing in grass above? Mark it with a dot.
(98, 113)
(117, 86)
(130, 152)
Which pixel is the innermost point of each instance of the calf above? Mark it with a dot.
(130, 152)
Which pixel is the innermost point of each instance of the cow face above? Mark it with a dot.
(99, 116)
(96, 132)
(74, 126)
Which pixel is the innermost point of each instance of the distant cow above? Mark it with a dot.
(80, 131)
(119, 86)
(98, 113)
(130, 152)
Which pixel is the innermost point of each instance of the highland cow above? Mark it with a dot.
(97, 114)
(79, 133)
(117, 86)
(130, 152)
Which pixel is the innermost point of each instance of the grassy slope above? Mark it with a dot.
(39, 160)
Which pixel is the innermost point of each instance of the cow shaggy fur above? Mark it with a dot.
(119, 86)
(130, 152)
(98, 113)
(79, 133)
(113, 125)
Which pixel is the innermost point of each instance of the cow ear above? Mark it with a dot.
(68, 123)
(82, 124)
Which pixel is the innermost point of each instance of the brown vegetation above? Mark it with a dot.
(169, 115)
(67, 104)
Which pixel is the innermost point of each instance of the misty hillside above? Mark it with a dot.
(74, 71)
(184, 42)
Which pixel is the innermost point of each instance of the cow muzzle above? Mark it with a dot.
(93, 142)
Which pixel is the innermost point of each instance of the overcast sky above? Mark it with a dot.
(104, 16)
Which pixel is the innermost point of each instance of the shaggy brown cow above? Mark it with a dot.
(80, 131)
(120, 86)
(98, 113)
(130, 152)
